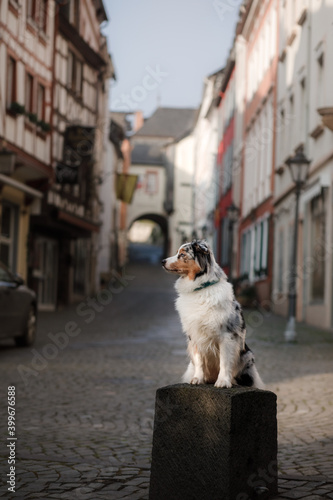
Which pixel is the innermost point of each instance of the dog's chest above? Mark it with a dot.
(200, 316)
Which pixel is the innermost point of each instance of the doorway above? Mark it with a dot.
(46, 271)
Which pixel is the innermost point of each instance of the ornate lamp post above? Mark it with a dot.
(7, 161)
(232, 212)
(299, 168)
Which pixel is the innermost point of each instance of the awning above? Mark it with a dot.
(77, 221)
(125, 187)
(22, 187)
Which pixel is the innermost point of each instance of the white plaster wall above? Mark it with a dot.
(312, 40)
(182, 218)
(206, 144)
(144, 203)
(33, 52)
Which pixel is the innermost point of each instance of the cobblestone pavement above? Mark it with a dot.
(85, 399)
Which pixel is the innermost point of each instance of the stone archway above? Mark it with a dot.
(162, 222)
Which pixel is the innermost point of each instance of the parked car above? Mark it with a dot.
(18, 309)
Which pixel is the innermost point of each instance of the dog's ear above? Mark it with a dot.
(200, 246)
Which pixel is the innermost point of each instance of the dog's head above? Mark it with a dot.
(192, 260)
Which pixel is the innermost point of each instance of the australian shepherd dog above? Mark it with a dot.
(212, 320)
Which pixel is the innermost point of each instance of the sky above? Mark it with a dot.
(162, 50)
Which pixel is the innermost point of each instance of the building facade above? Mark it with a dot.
(225, 159)
(303, 111)
(53, 100)
(180, 155)
(256, 244)
(155, 160)
(26, 80)
(206, 176)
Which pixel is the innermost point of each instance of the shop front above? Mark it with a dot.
(61, 264)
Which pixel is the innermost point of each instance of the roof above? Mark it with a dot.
(168, 122)
(120, 118)
(148, 153)
(100, 10)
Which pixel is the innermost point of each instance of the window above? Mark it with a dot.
(29, 88)
(227, 168)
(246, 254)
(254, 251)
(71, 11)
(320, 82)
(32, 9)
(318, 236)
(74, 73)
(40, 102)
(11, 81)
(4, 276)
(280, 268)
(225, 241)
(42, 15)
(70, 68)
(78, 77)
(302, 108)
(151, 182)
(8, 235)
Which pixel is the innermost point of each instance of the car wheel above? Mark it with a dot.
(29, 333)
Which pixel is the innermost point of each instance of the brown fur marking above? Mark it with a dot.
(189, 268)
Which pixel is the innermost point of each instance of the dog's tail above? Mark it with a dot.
(248, 375)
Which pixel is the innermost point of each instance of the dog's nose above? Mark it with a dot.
(163, 262)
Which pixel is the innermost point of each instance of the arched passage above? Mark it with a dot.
(148, 238)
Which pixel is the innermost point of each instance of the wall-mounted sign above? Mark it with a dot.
(60, 201)
(125, 187)
(66, 174)
(79, 143)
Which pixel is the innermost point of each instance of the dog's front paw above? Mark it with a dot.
(196, 381)
(223, 382)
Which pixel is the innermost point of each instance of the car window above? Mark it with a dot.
(4, 275)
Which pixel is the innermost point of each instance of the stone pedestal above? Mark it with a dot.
(214, 444)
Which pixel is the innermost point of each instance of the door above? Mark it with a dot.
(46, 270)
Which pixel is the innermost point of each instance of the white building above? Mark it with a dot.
(181, 221)
(206, 137)
(26, 57)
(305, 85)
(157, 160)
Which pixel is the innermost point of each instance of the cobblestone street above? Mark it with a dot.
(85, 401)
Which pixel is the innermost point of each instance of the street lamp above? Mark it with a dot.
(299, 168)
(7, 161)
(232, 212)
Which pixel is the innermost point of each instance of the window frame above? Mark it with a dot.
(29, 106)
(73, 63)
(11, 241)
(318, 216)
(40, 117)
(150, 173)
(12, 96)
(42, 6)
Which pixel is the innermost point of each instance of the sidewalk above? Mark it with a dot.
(85, 421)
(301, 374)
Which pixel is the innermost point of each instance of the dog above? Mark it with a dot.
(212, 320)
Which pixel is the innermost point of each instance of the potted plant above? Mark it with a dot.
(46, 127)
(32, 117)
(16, 108)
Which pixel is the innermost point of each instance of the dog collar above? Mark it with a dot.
(205, 285)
